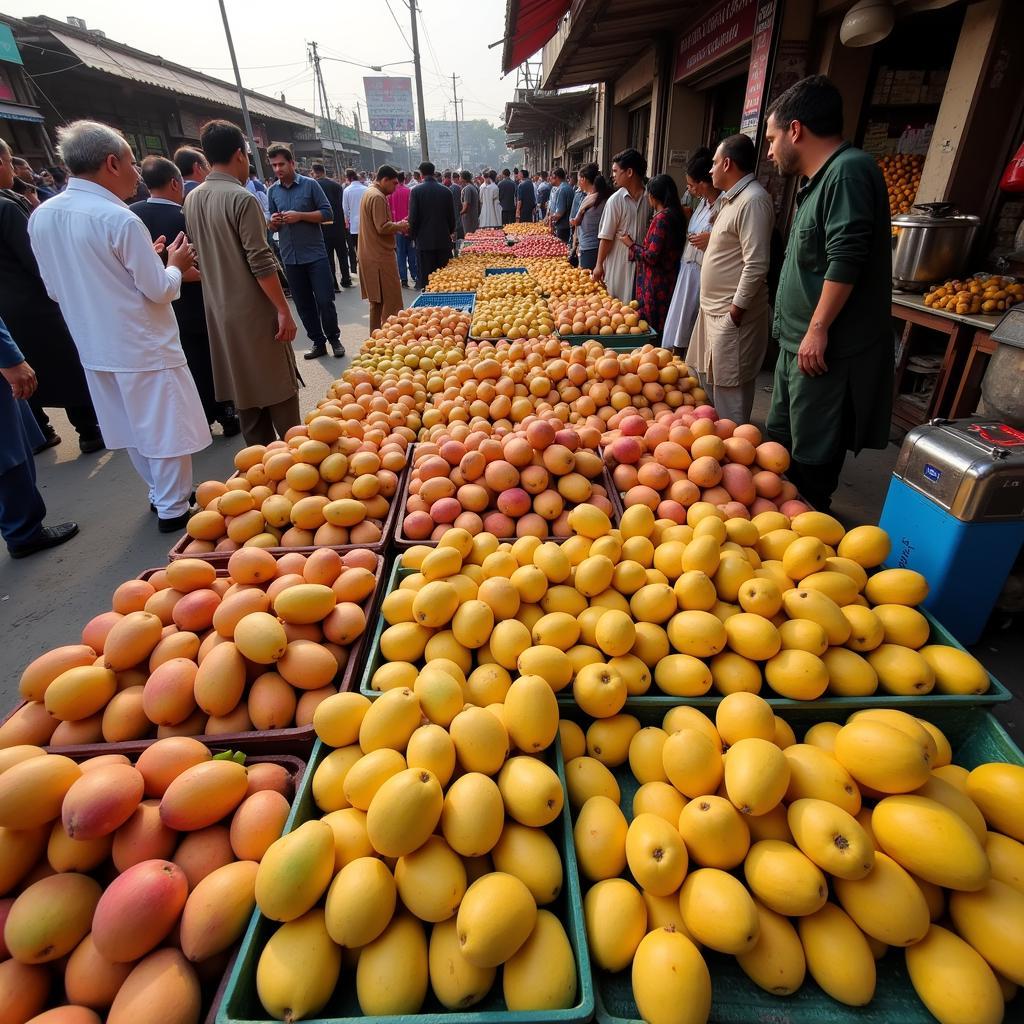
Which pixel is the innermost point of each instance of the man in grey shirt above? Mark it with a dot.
(470, 204)
(297, 209)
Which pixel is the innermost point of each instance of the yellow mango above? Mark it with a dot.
(776, 963)
(881, 756)
(616, 921)
(718, 911)
(784, 879)
(831, 838)
(671, 982)
(453, 979)
(298, 968)
(531, 791)
(295, 871)
(360, 902)
(656, 854)
(992, 921)
(495, 918)
(404, 812)
(838, 955)
(541, 974)
(715, 833)
(819, 608)
(998, 791)
(896, 586)
(756, 775)
(816, 774)
(392, 973)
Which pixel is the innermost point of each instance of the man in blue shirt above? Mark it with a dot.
(526, 197)
(560, 204)
(297, 207)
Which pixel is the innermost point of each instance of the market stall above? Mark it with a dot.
(512, 685)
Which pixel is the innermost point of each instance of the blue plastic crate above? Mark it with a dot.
(491, 271)
(465, 302)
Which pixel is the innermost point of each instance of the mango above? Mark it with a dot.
(776, 963)
(656, 854)
(586, 777)
(784, 879)
(360, 902)
(455, 982)
(953, 981)
(101, 801)
(531, 713)
(220, 680)
(32, 792)
(369, 773)
(138, 909)
(896, 586)
(23, 990)
(390, 721)
(831, 838)
(838, 955)
(304, 603)
(756, 775)
(495, 918)
(218, 910)
(131, 640)
(124, 718)
(295, 872)
(392, 973)
(298, 968)
(38, 674)
(930, 840)
(20, 850)
(203, 794)
(30, 724)
(260, 638)
(1006, 857)
(715, 833)
(531, 855)
(66, 854)
(541, 975)
(51, 917)
(162, 987)
(473, 815)
(616, 921)
(718, 911)
(431, 880)
(998, 791)
(202, 852)
(258, 823)
(882, 756)
(431, 747)
(671, 982)
(143, 836)
(992, 921)
(815, 774)
(404, 812)
(692, 762)
(80, 692)
(92, 980)
(337, 720)
(531, 791)
(163, 761)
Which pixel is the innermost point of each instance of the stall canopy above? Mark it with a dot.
(605, 36)
(529, 24)
(532, 113)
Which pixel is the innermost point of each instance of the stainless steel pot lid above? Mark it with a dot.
(935, 215)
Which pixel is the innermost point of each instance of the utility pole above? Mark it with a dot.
(241, 94)
(424, 148)
(324, 105)
(455, 105)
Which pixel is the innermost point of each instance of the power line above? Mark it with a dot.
(397, 25)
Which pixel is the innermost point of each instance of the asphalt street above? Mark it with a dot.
(46, 599)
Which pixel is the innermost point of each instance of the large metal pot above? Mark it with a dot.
(931, 246)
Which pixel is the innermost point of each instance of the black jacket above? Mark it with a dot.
(167, 219)
(431, 215)
(507, 195)
(334, 193)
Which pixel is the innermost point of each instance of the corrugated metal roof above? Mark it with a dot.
(114, 61)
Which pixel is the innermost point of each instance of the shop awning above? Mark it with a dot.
(534, 111)
(529, 24)
(16, 112)
(605, 36)
(136, 67)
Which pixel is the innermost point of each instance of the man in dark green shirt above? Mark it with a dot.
(833, 380)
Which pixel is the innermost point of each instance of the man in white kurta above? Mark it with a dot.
(98, 262)
(627, 212)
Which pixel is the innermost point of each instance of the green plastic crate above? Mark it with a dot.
(241, 1004)
(625, 342)
(996, 694)
(975, 738)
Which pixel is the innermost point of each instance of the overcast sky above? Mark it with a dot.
(270, 43)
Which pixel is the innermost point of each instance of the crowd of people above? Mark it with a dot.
(175, 315)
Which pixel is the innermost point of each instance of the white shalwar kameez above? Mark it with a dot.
(97, 260)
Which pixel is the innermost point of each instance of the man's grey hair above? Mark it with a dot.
(85, 145)
(5, 150)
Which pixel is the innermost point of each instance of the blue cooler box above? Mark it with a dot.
(955, 512)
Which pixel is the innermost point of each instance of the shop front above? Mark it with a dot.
(21, 123)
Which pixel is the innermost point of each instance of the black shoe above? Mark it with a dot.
(88, 445)
(50, 440)
(314, 353)
(338, 351)
(405, 284)
(48, 537)
(175, 525)
(336, 289)
(230, 426)
(346, 284)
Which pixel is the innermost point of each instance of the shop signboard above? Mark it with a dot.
(191, 123)
(9, 51)
(760, 57)
(725, 28)
(389, 104)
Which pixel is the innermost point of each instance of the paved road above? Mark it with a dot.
(45, 600)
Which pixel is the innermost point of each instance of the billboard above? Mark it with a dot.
(389, 104)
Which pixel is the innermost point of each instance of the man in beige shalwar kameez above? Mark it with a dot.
(250, 325)
(379, 282)
(730, 336)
